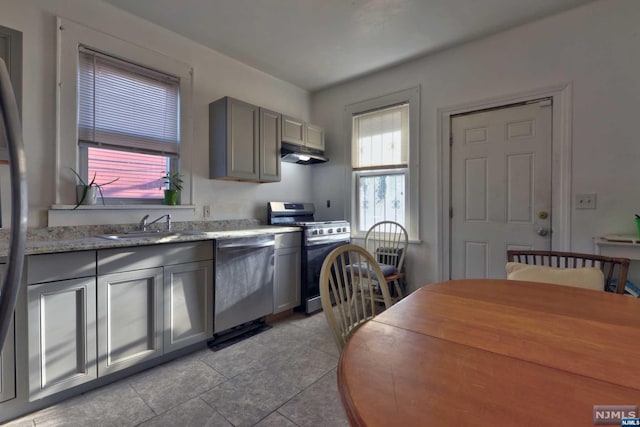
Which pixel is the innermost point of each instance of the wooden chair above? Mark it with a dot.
(612, 268)
(387, 241)
(346, 280)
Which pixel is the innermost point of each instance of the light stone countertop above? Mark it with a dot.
(80, 238)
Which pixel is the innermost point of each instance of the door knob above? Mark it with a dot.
(541, 231)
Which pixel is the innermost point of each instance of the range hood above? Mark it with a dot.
(301, 155)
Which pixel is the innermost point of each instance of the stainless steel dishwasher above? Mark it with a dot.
(243, 280)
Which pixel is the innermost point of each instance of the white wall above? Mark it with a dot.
(215, 76)
(595, 48)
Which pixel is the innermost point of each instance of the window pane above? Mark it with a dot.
(123, 105)
(381, 137)
(128, 125)
(140, 174)
(381, 197)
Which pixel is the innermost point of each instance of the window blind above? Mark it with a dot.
(124, 106)
(381, 138)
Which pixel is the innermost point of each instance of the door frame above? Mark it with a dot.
(560, 165)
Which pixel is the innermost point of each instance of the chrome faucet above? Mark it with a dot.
(142, 226)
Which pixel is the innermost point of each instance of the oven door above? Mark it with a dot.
(312, 258)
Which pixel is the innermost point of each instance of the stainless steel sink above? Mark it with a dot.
(150, 234)
(138, 235)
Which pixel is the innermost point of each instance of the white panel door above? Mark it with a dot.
(500, 186)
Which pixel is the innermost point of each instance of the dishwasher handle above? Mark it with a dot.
(246, 242)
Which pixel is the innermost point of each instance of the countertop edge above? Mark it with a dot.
(35, 247)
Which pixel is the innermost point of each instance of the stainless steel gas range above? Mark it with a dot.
(318, 239)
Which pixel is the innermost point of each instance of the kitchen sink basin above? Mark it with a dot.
(150, 234)
(138, 235)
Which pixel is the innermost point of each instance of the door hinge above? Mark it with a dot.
(451, 140)
(450, 211)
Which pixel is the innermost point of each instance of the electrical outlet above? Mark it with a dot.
(206, 211)
(586, 201)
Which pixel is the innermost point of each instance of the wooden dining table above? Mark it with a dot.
(491, 352)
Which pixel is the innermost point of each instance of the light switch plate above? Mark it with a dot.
(206, 211)
(586, 201)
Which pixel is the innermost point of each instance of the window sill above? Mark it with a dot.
(101, 207)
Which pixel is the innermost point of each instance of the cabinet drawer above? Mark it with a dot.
(288, 240)
(139, 257)
(60, 266)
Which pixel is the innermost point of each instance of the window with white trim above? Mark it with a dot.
(380, 153)
(128, 126)
(385, 148)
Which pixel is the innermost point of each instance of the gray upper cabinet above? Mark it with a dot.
(293, 130)
(299, 132)
(188, 304)
(130, 313)
(270, 142)
(239, 148)
(7, 361)
(315, 137)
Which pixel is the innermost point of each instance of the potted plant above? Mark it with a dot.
(174, 179)
(87, 193)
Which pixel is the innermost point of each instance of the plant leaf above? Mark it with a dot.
(79, 177)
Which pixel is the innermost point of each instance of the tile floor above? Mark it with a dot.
(285, 376)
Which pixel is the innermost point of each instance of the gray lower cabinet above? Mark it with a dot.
(286, 289)
(92, 313)
(62, 335)
(8, 368)
(152, 300)
(188, 304)
(130, 312)
(7, 361)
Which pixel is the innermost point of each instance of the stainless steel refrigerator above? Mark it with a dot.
(11, 135)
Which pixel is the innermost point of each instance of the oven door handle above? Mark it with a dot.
(319, 240)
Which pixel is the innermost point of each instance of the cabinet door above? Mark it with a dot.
(270, 141)
(8, 368)
(242, 140)
(130, 318)
(286, 290)
(234, 140)
(315, 137)
(293, 130)
(188, 304)
(7, 360)
(62, 335)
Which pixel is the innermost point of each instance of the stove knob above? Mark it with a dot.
(330, 230)
(314, 232)
(321, 231)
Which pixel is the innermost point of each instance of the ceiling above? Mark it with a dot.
(317, 43)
